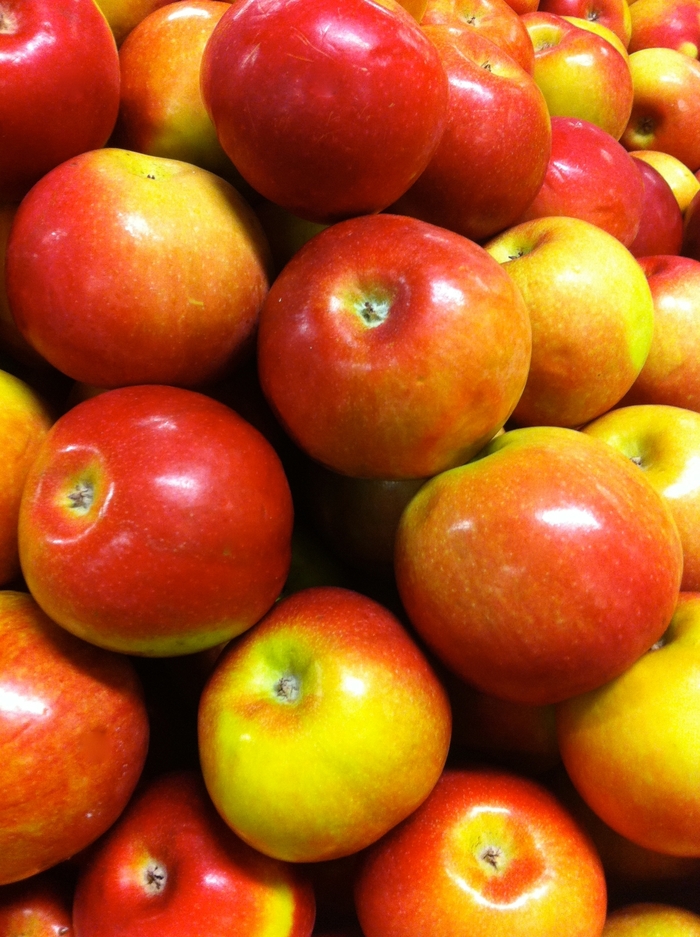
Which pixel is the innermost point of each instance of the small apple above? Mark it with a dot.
(661, 225)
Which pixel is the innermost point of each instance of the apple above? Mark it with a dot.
(652, 919)
(590, 176)
(674, 25)
(523, 6)
(666, 108)
(488, 853)
(321, 728)
(39, 906)
(59, 71)
(310, 102)
(671, 372)
(493, 155)
(124, 15)
(614, 14)
(390, 348)
(171, 865)
(665, 442)
(682, 181)
(691, 229)
(547, 564)
(591, 312)
(580, 73)
(155, 521)
(630, 746)
(661, 225)
(596, 26)
(90, 270)
(73, 736)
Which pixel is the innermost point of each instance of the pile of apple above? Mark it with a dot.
(350, 468)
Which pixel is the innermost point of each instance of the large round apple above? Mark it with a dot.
(392, 348)
(155, 521)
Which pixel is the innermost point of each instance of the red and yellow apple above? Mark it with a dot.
(673, 24)
(661, 225)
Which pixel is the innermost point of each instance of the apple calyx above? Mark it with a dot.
(8, 22)
(155, 877)
(287, 688)
(80, 499)
(373, 311)
(491, 855)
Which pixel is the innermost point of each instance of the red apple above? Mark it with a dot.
(311, 103)
(674, 25)
(487, 853)
(683, 183)
(615, 14)
(59, 72)
(661, 225)
(39, 906)
(391, 348)
(155, 521)
(322, 728)
(73, 736)
(171, 865)
(547, 564)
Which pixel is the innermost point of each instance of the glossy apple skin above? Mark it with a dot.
(661, 225)
(391, 348)
(320, 118)
(630, 747)
(674, 25)
(487, 853)
(671, 372)
(73, 735)
(590, 176)
(684, 184)
(60, 87)
(547, 564)
(652, 919)
(356, 744)
(493, 155)
(591, 312)
(665, 442)
(39, 906)
(90, 262)
(615, 14)
(209, 882)
(155, 521)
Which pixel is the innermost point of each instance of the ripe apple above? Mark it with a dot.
(547, 564)
(124, 15)
(493, 155)
(595, 26)
(322, 728)
(683, 183)
(155, 521)
(487, 853)
(652, 919)
(39, 906)
(59, 72)
(661, 225)
(674, 25)
(591, 312)
(73, 736)
(614, 14)
(311, 103)
(171, 865)
(391, 348)
(124, 268)
(630, 747)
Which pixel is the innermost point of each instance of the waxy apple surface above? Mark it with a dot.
(661, 224)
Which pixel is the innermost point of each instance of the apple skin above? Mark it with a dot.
(661, 225)
(493, 155)
(590, 176)
(39, 906)
(390, 348)
(630, 747)
(691, 229)
(171, 865)
(311, 745)
(73, 734)
(651, 919)
(90, 262)
(674, 25)
(666, 109)
(591, 312)
(671, 372)
(547, 564)
(488, 853)
(310, 102)
(155, 521)
(614, 14)
(684, 184)
(665, 442)
(60, 84)
(124, 15)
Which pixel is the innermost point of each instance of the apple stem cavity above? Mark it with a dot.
(81, 497)
(373, 311)
(287, 689)
(155, 878)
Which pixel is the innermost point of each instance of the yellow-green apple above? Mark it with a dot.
(38, 906)
(73, 736)
(683, 183)
(24, 422)
(322, 728)
(590, 176)
(59, 71)
(671, 372)
(580, 73)
(123, 15)
(665, 443)
(171, 865)
(391, 348)
(630, 746)
(674, 24)
(651, 919)
(155, 521)
(661, 225)
(488, 853)
(492, 19)
(591, 312)
(546, 564)
(492, 157)
(666, 110)
(310, 102)
(124, 268)
(691, 229)
(614, 14)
